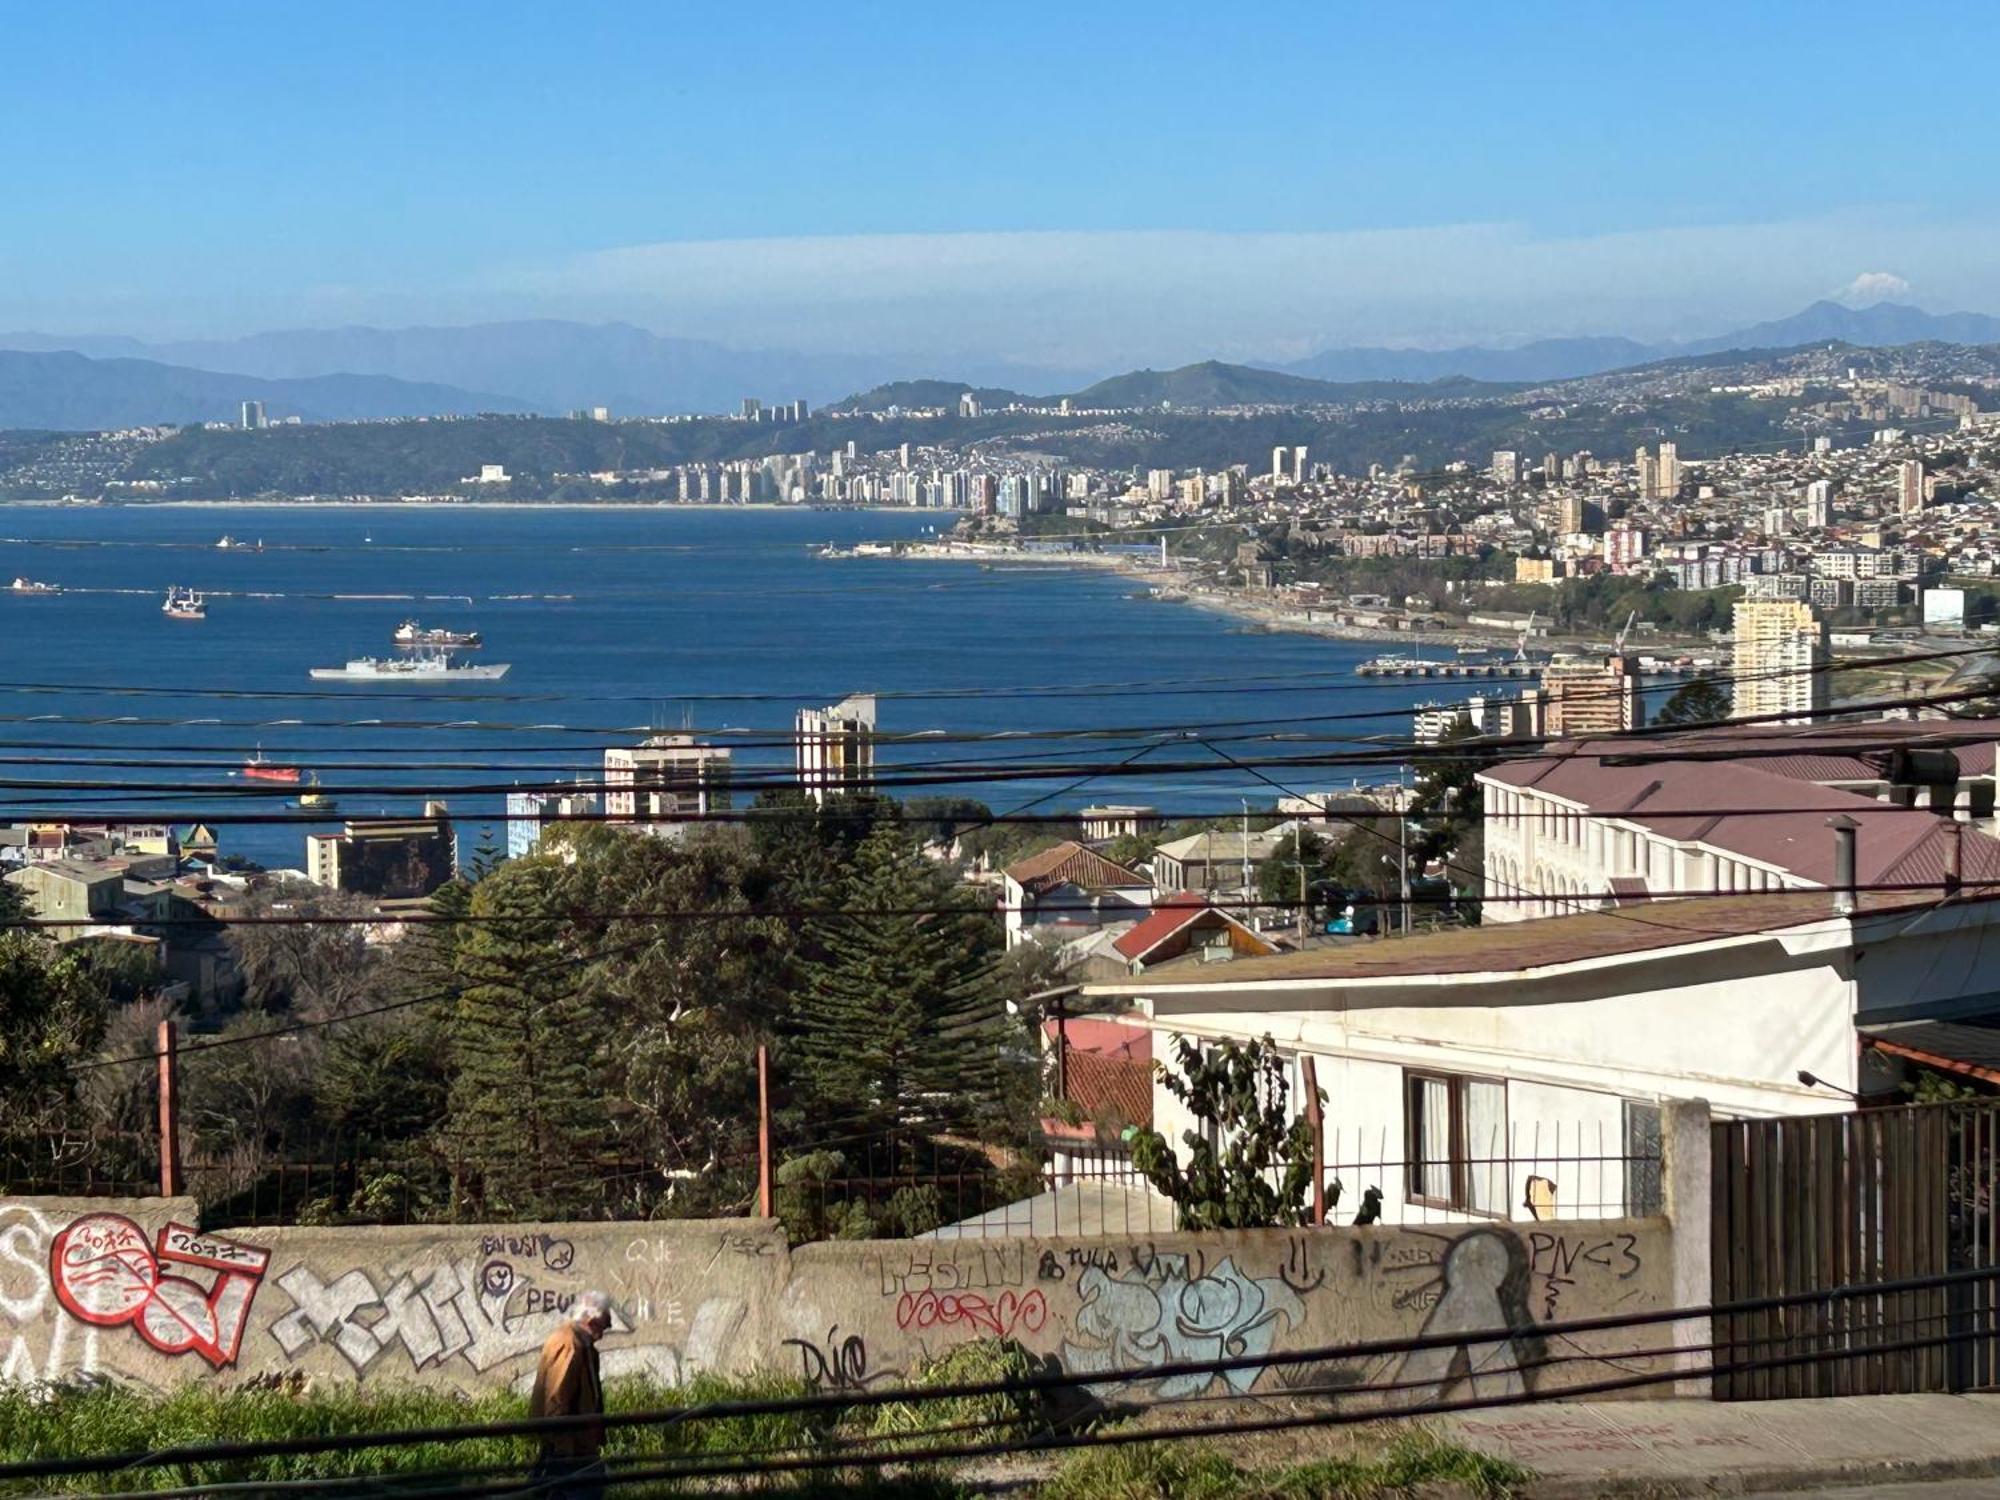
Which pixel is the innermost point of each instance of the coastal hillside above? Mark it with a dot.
(65, 391)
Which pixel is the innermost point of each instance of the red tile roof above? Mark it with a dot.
(1111, 1090)
(1070, 863)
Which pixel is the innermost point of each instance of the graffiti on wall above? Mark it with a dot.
(483, 1311)
(35, 1346)
(1481, 1285)
(106, 1273)
(1162, 1309)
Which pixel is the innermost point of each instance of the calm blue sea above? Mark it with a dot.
(613, 621)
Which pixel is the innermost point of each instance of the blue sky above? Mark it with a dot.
(1079, 182)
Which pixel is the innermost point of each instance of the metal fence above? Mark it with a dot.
(80, 1163)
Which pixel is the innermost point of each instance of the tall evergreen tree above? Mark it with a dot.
(902, 1029)
(1702, 701)
(528, 1115)
(52, 1014)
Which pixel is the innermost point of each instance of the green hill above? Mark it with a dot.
(912, 395)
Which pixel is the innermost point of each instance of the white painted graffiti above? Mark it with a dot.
(1162, 1315)
(442, 1314)
(34, 1346)
(459, 1310)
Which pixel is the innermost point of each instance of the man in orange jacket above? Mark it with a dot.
(567, 1385)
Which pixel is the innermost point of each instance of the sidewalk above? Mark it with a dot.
(1695, 1447)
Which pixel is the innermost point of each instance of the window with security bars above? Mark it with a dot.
(1457, 1146)
(1644, 1196)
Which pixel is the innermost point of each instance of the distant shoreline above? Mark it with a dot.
(452, 505)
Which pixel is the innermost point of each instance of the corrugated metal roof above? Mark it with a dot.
(1070, 863)
(1516, 947)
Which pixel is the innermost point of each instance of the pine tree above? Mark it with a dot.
(902, 1028)
(528, 1116)
(1701, 701)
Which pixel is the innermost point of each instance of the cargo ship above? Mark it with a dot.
(184, 604)
(256, 768)
(315, 800)
(410, 633)
(409, 669)
(31, 586)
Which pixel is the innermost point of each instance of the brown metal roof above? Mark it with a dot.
(1070, 863)
(1515, 947)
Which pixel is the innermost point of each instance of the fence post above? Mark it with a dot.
(170, 1136)
(1316, 1117)
(1686, 1173)
(765, 1205)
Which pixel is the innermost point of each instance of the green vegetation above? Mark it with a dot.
(77, 1420)
(1412, 1461)
(1701, 701)
(54, 1009)
(560, 1064)
(1249, 1163)
(53, 1422)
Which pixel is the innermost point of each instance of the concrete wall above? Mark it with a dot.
(124, 1290)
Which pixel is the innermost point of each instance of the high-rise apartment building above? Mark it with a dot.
(1160, 483)
(1586, 696)
(666, 778)
(1669, 476)
(1780, 660)
(253, 416)
(1300, 470)
(1819, 504)
(836, 747)
(1281, 458)
(1910, 487)
(1506, 466)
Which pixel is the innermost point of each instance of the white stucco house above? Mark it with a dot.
(1518, 1071)
(1597, 823)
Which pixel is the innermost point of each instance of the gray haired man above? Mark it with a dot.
(567, 1385)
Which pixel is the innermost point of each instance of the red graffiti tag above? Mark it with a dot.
(974, 1310)
(105, 1273)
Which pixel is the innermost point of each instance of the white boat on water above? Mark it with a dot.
(184, 604)
(33, 586)
(410, 633)
(410, 669)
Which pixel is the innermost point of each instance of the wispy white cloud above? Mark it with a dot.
(1169, 295)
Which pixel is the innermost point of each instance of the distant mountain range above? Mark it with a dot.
(1882, 325)
(1207, 384)
(549, 366)
(546, 365)
(66, 390)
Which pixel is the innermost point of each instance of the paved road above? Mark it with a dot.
(1944, 1489)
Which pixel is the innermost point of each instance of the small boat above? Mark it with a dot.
(256, 768)
(229, 542)
(316, 800)
(32, 586)
(410, 633)
(184, 604)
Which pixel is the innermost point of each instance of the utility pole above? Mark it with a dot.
(168, 1052)
(1403, 845)
(1299, 848)
(766, 1206)
(1245, 851)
